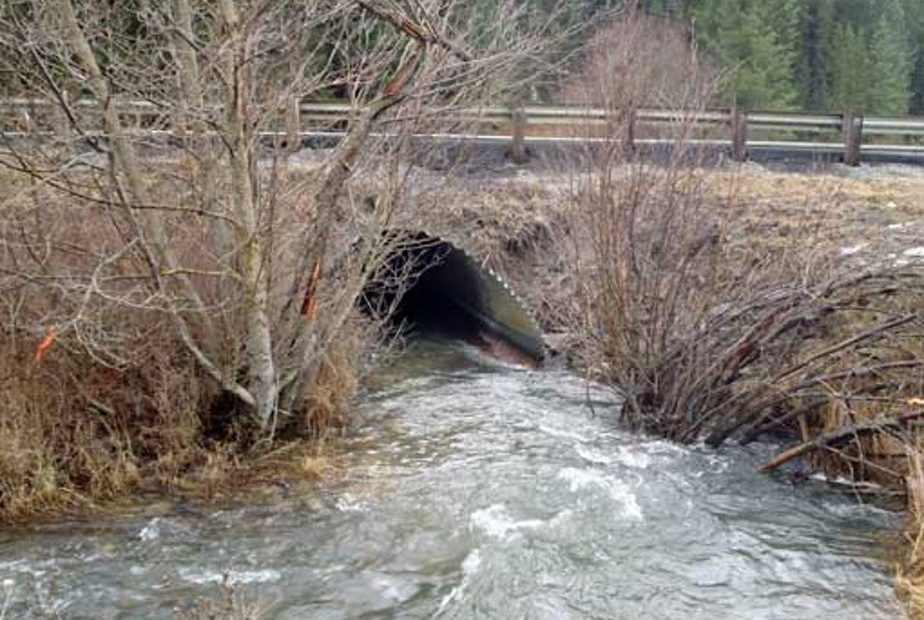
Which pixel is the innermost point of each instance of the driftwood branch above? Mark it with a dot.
(841, 435)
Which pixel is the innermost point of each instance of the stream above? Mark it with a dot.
(474, 490)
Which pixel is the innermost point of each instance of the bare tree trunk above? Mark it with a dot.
(149, 224)
(191, 107)
(187, 67)
(258, 341)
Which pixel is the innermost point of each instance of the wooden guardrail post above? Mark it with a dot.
(518, 136)
(852, 128)
(630, 118)
(293, 112)
(739, 134)
(62, 126)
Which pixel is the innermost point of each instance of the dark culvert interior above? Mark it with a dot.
(428, 287)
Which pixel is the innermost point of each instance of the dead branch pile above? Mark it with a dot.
(705, 340)
(709, 330)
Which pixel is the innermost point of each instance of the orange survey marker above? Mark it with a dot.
(310, 303)
(45, 344)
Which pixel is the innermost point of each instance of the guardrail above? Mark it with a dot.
(845, 134)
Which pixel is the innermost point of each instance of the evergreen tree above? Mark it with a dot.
(890, 62)
(850, 70)
(786, 18)
(764, 78)
(816, 54)
(756, 41)
(813, 67)
(914, 16)
(809, 54)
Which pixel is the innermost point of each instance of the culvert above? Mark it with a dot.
(428, 286)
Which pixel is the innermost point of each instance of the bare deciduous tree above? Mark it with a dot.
(247, 254)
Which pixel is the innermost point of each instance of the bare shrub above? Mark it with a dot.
(637, 60)
(229, 604)
(715, 324)
(708, 336)
(710, 332)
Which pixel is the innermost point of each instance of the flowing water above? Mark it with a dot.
(477, 491)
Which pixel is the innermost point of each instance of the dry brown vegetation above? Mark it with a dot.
(76, 436)
(719, 326)
(910, 579)
(177, 291)
(229, 604)
(101, 402)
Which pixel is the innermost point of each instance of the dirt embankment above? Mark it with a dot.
(516, 220)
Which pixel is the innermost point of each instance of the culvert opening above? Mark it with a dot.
(426, 286)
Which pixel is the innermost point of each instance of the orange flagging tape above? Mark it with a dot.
(45, 344)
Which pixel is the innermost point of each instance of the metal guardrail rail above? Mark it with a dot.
(736, 130)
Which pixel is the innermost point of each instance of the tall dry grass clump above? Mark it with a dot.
(910, 579)
(76, 435)
(62, 449)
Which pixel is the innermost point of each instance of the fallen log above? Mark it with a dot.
(841, 435)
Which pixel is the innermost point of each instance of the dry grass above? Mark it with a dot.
(229, 604)
(837, 211)
(910, 577)
(63, 451)
(53, 458)
(77, 436)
